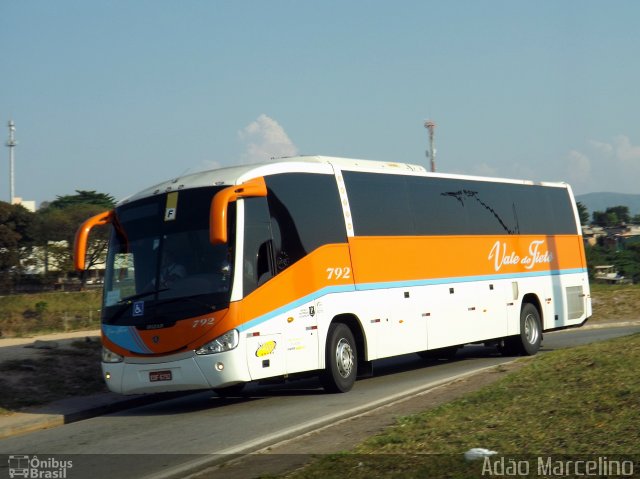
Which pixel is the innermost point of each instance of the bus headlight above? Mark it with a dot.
(109, 356)
(226, 342)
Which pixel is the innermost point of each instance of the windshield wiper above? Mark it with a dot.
(212, 307)
(133, 297)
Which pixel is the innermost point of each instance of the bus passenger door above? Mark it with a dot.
(292, 341)
(265, 349)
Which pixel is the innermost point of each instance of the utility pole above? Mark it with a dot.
(431, 152)
(11, 144)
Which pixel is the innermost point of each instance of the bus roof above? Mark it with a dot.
(234, 175)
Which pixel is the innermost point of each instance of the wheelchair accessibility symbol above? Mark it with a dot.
(138, 308)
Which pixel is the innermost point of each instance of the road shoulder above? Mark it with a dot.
(294, 453)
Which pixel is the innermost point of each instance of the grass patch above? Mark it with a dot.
(54, 374)
(580, 401)
(25, 314)
(615, 302)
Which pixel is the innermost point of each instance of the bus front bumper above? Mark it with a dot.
(179, 373)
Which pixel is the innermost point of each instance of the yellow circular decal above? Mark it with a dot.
(266, 349)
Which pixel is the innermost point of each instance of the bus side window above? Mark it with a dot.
(287, 245)
(306, 213)
(285, 250)
(257, 265)
(264, 262)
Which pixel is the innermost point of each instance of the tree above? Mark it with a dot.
(626, 259)
(627, 262)
(583, 213)
(622, 212)
(57, 225)
(83, 197)
(15, 240)
(613, 216)
(600, 218)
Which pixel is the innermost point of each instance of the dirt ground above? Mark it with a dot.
(34, 347)
(37, 370)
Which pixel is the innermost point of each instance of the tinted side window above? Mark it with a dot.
(533, 210)
(413, 205)
(379, 204)
(544, 210)
(444, 206)
(491, 209)
(305, 214)
(437, 207)
(257, 267)
(563, 216)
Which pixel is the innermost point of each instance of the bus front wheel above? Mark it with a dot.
(341, 359)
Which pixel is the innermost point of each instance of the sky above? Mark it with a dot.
(115, 96)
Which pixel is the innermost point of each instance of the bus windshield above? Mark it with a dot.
(161, 266)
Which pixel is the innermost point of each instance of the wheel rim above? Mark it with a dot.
(531, 329)
(344, 358)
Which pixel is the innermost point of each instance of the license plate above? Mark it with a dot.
(160, 376)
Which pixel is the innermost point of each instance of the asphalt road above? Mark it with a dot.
(173, 437)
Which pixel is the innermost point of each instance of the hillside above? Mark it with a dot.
(601, 201)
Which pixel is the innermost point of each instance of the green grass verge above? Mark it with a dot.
(615, 302)
(25, 314)
(580, 401)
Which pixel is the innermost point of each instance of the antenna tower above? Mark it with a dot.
(431, 152)
(11, 144)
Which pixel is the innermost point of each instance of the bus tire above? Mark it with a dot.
(341, 360)
(527, 343)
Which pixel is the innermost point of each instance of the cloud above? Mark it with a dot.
(264, 138)
(578, 167)
(625, 151)
(604, 148)
(605, 166)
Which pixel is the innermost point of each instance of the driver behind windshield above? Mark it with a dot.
(171, 270)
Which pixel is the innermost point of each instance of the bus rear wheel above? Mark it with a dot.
(527, 343)
(341, 360)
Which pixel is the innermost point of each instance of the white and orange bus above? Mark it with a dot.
(319, 266)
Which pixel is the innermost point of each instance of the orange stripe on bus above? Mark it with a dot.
(388, 259)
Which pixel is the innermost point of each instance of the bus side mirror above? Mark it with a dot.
(82, 235)
(220, 203)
